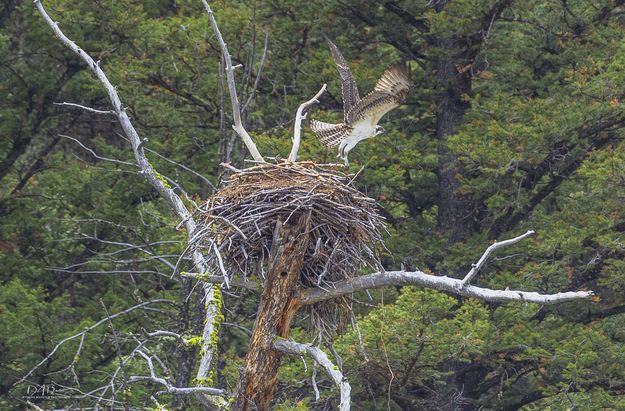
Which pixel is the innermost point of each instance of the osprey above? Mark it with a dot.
(361, 116)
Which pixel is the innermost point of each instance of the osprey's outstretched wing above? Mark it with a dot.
(330, 134)
(350, 90)
(389, 92)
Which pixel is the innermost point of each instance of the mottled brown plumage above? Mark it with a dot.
(349, 87)
(361, 116)
(389, 92)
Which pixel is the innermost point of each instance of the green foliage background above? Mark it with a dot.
(538, 146)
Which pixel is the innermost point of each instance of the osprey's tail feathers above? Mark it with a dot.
(330, 134)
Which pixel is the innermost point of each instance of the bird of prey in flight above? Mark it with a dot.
(361, 115)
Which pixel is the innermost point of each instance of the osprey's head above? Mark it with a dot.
(379, 130)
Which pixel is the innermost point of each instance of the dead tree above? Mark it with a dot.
(285, 244)
(278, 304)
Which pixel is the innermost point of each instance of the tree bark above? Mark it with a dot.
(279, 302)
(455, 211)
(185, 354)
(455, 217)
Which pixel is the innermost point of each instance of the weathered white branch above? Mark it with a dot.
(231, 167)
(146, 169)
(461, 287)
(400, 278)
(476, 267)
(236, 113)
(163, 333)
(292, 347)
(168, 387)
(173, 200)
(297, 130)
(211, 328)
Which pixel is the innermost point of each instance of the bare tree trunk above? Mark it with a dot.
(279, 302)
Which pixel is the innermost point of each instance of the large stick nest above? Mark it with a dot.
(238, 222)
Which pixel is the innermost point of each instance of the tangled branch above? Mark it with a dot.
(84, 332)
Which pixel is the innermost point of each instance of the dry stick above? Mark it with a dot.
(93, 153)
(182, 166)
(297, 131)
(314, 381)
(164, 333)
(260, 69)
(86, 108)
(292, 347)
(236, 113)
(174, 201)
